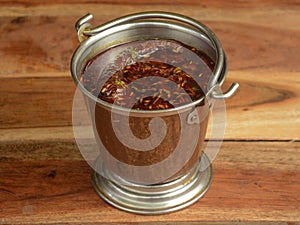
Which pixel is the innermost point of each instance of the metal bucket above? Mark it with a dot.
(167, 177)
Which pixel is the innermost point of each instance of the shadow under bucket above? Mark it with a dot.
(150, 138)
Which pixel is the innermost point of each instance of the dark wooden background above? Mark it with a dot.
(43, 178)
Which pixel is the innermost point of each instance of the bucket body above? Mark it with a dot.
(171, 167)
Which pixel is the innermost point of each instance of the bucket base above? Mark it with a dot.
(159, 198)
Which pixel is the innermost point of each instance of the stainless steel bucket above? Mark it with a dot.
(125, 172)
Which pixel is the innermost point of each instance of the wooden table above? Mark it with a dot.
(44, 179)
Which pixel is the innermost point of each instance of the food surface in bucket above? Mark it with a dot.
(149, 74)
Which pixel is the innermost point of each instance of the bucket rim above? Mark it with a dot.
(217, 77)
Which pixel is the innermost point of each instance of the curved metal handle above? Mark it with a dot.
(85, 30)
(229, 93)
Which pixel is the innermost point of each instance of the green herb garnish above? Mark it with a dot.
(120, 83)
(196, 89)
(177, 69)
(134, 53)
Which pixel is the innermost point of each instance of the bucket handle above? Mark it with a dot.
(85, 30)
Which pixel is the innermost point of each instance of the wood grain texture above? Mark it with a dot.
(264, 108)
(252, 41)
(43, 177)
(40, 41)
(36, 177)
(207, 3)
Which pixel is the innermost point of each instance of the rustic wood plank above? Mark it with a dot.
(43, 176)
(43, 59)
(49, 51)
(264, 153)
(266, 113)
(257, 183)
(283, 16)
(36, 102)
(266, 106)
(36, 134)
(206, 3)
(36, 44)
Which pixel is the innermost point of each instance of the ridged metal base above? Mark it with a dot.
(155, 199)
